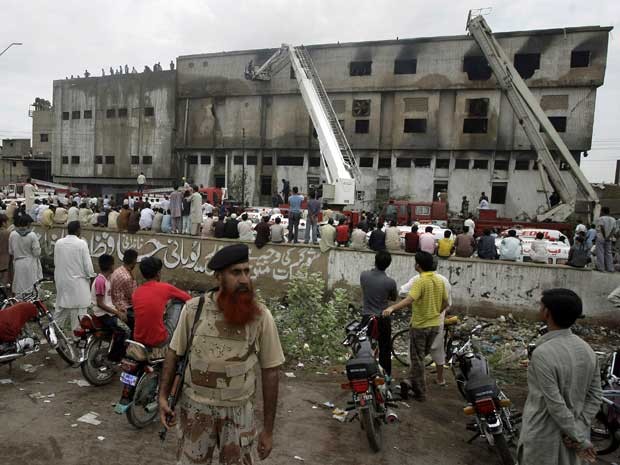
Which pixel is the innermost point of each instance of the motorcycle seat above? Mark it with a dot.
(481, 385)
(90, 322)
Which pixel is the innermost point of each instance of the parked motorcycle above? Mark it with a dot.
(605, 430)
(493, 418)
(140, 373)
(27, 341)
(372, 395)
(101, 349)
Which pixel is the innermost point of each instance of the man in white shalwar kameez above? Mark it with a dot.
(25, 249)
(73, 270)
(564, 389)
(29, 194)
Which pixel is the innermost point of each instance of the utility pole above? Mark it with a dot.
(243, 168)
(10, 45)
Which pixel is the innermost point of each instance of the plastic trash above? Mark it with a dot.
(79, 382)
(290, 374)
(6, 381)
(90, 418)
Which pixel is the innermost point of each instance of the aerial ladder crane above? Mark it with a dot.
(532, 117)
(339, 164)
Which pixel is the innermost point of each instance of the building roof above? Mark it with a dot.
(533, 32)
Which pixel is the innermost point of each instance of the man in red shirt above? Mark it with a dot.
(412, 240)
(342, 233)
(149, 305)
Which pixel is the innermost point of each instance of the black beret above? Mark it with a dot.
(229, 256)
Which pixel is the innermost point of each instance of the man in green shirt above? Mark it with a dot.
(428, 297)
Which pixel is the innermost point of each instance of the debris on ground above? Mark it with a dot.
(339, 415)
(90, 418)
(297, 457)
(290, 374)
(328, 405)
(79, 382)
(6, 381)
(28, 368)
(101, 438)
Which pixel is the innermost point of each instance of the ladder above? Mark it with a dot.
(308, 67)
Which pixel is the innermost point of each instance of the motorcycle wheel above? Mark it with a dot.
(604, 438)
(95, 368)
(65, 348)
(144, 408)
(372, 426)
(400, 346)
(502, 449)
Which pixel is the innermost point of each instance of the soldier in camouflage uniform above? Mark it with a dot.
(234, 337)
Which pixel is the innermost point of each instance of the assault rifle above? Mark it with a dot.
(177, 384)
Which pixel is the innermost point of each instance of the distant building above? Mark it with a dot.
(422, 116)
(109, 129)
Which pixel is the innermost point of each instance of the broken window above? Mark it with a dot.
(385, 162)
(522, 165)
(88, 114)
(360, 68)
(238, 160)
(461, 164)
(205, 160)
(75, 114)
(477, 68)
(148, 160)
(438, 187)
(403, 162)
(580, 59)
(64, 160)
(415, 125)
(65, 115)
(250, 160)
(366, 162)
(267, 161)
(339, 106)
(362, 126)
(526, 64)
(500, 165)
(477, 106)
(220, 180)
(498, 193)
(405, 66)
(290, 161)
(135, 160)
(416, 104)
(361, 108)
(481, 164)
(75, 160)
(558, 122)
(122, 112)
(314, 161)
(265, 185)
(149, 111)
(110, 113)
(43, 138)
(192, 159)
(220, 160)
(109, 159)
(98, 159)
(442, 164)
(422, 162)
(475, 125)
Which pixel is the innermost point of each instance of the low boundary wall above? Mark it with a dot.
(480, 287)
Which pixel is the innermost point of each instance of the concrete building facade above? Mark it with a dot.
(110, 129)
(422, 116)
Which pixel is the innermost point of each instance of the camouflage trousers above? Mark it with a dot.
(204, 428)
(420, 342)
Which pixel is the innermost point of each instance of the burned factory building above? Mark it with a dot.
(422, 116)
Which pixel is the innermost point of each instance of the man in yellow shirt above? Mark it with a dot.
(445, 246)
(428, 297)
(47, 219)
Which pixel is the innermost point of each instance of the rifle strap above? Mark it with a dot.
(190, 341)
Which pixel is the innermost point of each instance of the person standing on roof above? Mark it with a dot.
(141, 182)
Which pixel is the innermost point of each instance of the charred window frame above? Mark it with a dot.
(475, 126)
(65, 115)
(385, 162)
(192, 159)
(477, 68)
(75, 114)
(135, 160)
(205, 160)
(75, 160)
(290, 161)
(422, 162)
(149, 111)
(314, 161)
(498, 193)
(219, 180)
(360, 68)
(250, 160)
(406, 66)
(522, 165)
(366, 162)
(442, 163)
(414, 125)
(580, 59)
(558, 123)
(64, 160)
(109, 159)
(526, 64)
(362, 126)
(98, 159)
(500, 165)
(147, 160)
(481, 164)
(267, 161)
(110, 113)
(461, 164)
(238, 160)
(265, 185)
(122, 112)
(88, 114)
(43, 137)
(402, 162)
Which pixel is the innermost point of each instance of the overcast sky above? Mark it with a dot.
(64, 37)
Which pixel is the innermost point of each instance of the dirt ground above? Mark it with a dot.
(39, 430)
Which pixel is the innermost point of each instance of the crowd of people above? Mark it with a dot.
(124, 70)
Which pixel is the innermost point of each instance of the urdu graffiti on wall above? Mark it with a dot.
(278, 263)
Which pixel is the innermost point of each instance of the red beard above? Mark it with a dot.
(239, 307)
